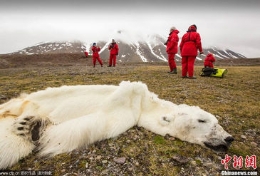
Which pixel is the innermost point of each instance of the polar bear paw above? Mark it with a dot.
(28, 127)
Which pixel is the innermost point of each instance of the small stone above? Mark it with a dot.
(180, 160)
(193, 163)
(104, 161)
(243, 137)
(98, 157)
(208, 164)
(120, 160)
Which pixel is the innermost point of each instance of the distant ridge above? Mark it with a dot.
(151, 50)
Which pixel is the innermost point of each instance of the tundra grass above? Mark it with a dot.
(234, 100)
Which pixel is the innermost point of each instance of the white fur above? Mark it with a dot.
(75, 116)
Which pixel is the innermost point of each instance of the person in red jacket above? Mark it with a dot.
(95, 55)
(172, 49)
(189, 46)
(209, 60)
(86, 53)
(113, 47)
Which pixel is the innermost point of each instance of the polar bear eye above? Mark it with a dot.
(201, 121)
(166, 119)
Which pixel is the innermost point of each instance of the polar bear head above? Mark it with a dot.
(192, 124)
(188, 123)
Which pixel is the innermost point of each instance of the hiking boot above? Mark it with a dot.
(174, 71)
(192, 77)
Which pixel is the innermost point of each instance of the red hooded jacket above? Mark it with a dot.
(209, 60)
(190, 43)
(113, 47)
(172, 42)
(95, 51)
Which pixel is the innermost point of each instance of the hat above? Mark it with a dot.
(192, 28)
(195, 26)
(173, 28)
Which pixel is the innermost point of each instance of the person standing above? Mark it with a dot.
(172, 49)
(189, 46)
(95, 55)
(113, 47)
(86, 53)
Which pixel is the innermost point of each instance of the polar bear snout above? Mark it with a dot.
(219, 145)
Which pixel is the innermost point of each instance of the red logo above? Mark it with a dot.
(238, 161)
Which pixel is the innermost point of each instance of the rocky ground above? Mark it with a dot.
(233, 99)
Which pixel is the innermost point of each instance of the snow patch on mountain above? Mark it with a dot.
(132, 47)
(139, 53)
(157, 56)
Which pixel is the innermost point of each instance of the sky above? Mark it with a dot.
(226, 24)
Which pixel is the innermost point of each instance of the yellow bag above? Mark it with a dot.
(216, 72)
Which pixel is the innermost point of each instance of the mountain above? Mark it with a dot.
(148, 49)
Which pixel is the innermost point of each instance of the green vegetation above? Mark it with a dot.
(235, 100)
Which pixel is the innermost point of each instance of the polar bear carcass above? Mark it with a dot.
(58, 120)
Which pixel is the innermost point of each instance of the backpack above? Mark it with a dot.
(213, 72)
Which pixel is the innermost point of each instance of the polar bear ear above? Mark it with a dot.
(165, 120)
